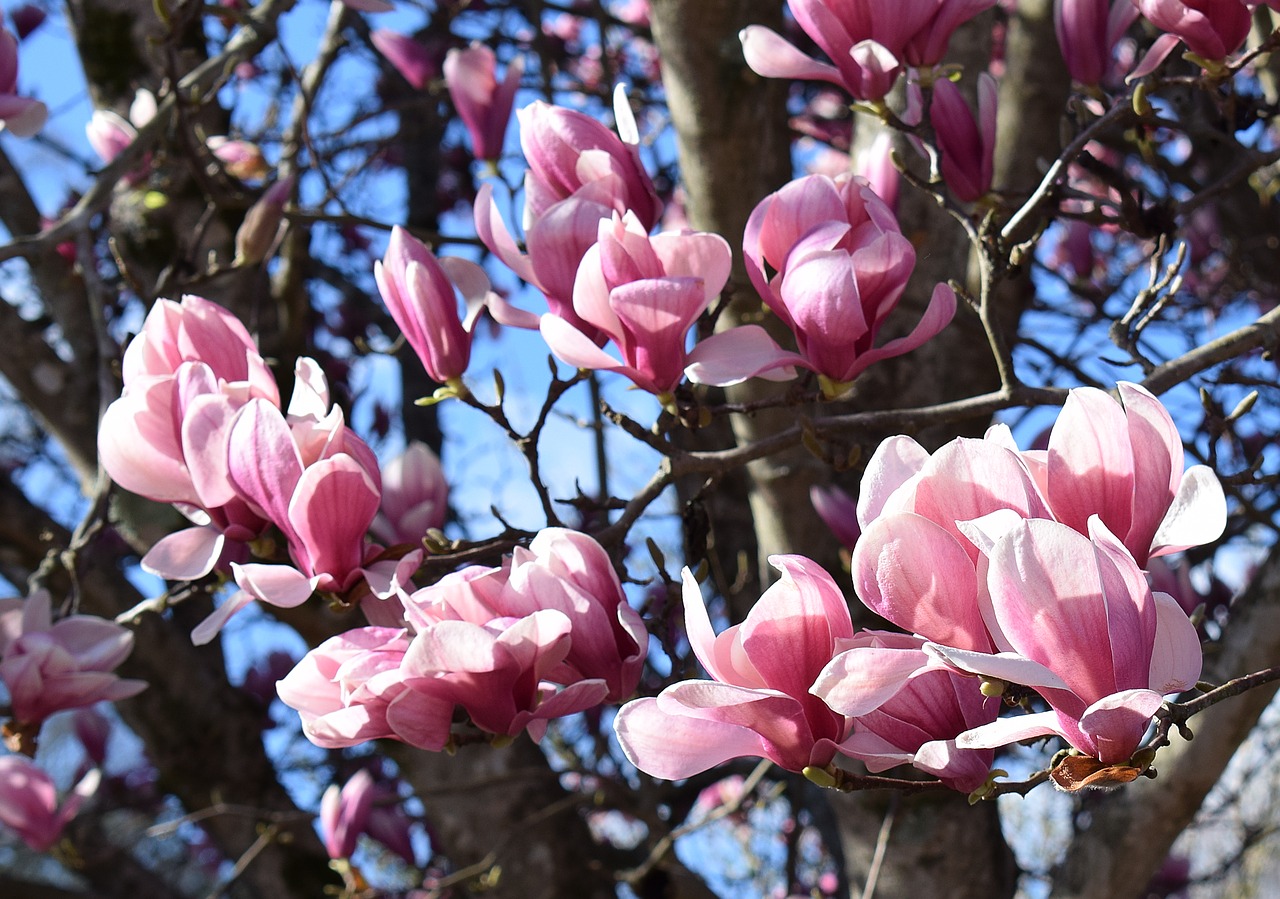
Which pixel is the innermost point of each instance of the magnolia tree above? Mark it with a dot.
(638, 448)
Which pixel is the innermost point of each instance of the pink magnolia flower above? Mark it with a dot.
(483, 104)
(262, 225)
(421, 295)
(499, 672)
(568, 150)
(868, 43)
(644, 294)
(829, 259)
(29, 801)
(349, 689)
(758, 701)
(415, 496)
(344, 813)
(319, 484)
(1211, 29)
(408, 56)
(1075, 620)
(190, 354)
(967, 147)
(1125, 464)
(579, 173)
(913, 564)
(48, 666)
(917, 724)
(563, 570)
(21, 115)
(1088, 31)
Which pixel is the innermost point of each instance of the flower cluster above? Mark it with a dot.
(200, 425)
(1004, 568)
(547, 634)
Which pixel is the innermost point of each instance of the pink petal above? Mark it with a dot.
(185, 555)
(1004, 731)
(1197, 515)
(673, 747)
(208, 629)
(911, 571)
(1176, 657)
(737, 354)
(772, 56)
(862, 679)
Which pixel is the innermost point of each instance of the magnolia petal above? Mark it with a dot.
(862, 679)
(1198, 514)
(277, 585)
(895, 462)
(185, 555)
(208, 629)
(942, 308)
(733, 356)
(911, 571)
(674, 747)
(1006, 666)
(1004, 731)
(1117, 722)
(773, 56)
(1176, 656)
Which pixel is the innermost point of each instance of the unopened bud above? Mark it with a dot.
(262, 223)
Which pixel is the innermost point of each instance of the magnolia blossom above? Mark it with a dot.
(186, 375)
(499, 672)
(868, 43)
(349, 690)
(1074, 618)
(757, 702)
(415, 496)
(579, 173)
(421, 293)
(967, 147)
(21, 115)
(409, 57)
(315, 480)
(29, 801)
(483, 104)
(919, 722)
(344, 813)
(568, 151)
(1211, 29)
(109, 133)
(48, 666)
(562, 570)
(644, 294)
(547, 634)
(829, 259)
